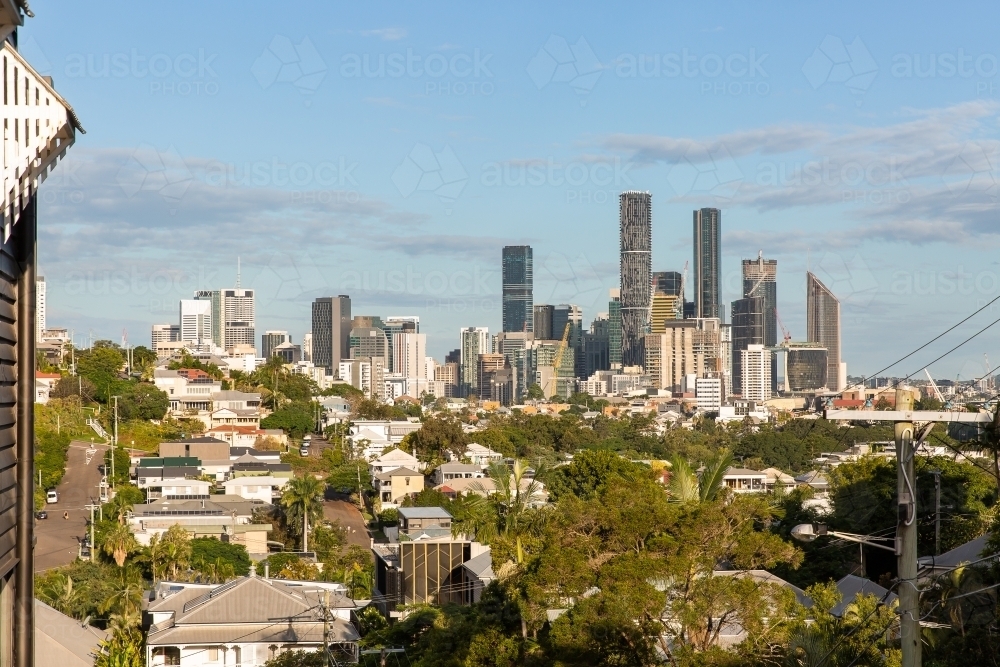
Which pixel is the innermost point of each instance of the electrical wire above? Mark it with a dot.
(952, 349)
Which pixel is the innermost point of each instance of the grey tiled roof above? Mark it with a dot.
(424, 513)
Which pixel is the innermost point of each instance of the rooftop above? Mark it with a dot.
(424, 513)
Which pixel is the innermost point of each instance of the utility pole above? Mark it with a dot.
(906, 534)
(114, 441)
(92, 507)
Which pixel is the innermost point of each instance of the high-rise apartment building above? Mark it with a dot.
(614, 328)
(165, 333)
(636, 268)
(669, 282)
(409, 355)
(40, 322)
(806, 367)
(331, 331)
(760, 279)
(307, 346)
(513, 346)
(196, 321)
(214, 297)
(487, 365)
(675, 354)
(238, 313)
(518, 282)
(596, 345)
(823, 327)
(272, 339)
(447, 374)
(747, 330)
(707, 238)
(367, 341)
(755, 367)
(543, 321)
(398, 324)
(473, 341)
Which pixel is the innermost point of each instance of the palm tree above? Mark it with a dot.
(218, 571)
(302, 499)
(119, 543)
(125, 598)
(686, 486)
(510, 512)
(60, 594)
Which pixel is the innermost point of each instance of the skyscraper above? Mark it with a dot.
(543, 321)
(707, 235)
(238, 318)
(636, 268)
(218, 322)
(669, 282)
(473, 342)
(409, 360)
(760, 278)
(823, 327)
(614, 328)
(518, 281)
(272, 339)
(394, 325)
(196, 321)
(568, 314)
(755, 365)
(331, 331)
(747, 330)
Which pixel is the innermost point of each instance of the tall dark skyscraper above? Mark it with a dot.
(567, 314)
(760, 278)
(614, 329)
(543, 321)
(331, 331)
(668, 282)
(748, 329)
(636, 265)
(518, 311)
(707, 237)
(823, 327)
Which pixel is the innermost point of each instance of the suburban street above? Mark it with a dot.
(338, 508)
(58, 538)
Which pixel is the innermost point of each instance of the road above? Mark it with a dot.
(58, 538)
(337, 507)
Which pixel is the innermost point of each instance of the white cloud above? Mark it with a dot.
(386, 34)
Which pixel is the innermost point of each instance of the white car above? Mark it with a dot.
(51, 497)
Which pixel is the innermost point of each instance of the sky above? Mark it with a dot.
(389, 151)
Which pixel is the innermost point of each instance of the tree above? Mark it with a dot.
(124, 648)
(119, 542)
(170, 552)
(102, 366)
(507, 517)
(290, 566)
(209, 550)
(295, 419)
(590, 470)
(436, 436)
(302, 500)
(142, 400)
(535, 393)
(298, 659)
(686, 486)
(74, 386)
(125, 595)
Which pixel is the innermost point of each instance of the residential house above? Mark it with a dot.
(777, 480)
(177, 488)
(732, 633)
(152, 470)
(393, 459)
(64, 641)
(245, 622)
(973, 551)
(263, 488)
(202, 447)
(447, 472)
(424, 522)
(482, 456)
(44, 384)
(190, 390)
(476, 575)
(852, 586)
(370, 437)
(423, 571)
(394, 485)
(814, 479)
(266, 456)
(742, 480)
(236, 435)
(221, 516)
(249, 466)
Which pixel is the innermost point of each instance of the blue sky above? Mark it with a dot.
(389, 151)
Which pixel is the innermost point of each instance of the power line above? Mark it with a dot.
(954, 348)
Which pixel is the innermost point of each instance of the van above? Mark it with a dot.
(51, 497)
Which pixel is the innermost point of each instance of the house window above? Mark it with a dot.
(166, 655)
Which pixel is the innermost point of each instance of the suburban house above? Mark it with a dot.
(235, 454)
(263, 488)
(423, 522)
(245, 622)
(177, 488)
(777, 479)
(44, 384)
(152, 470)
(970, 552)
(449, 471)
(395, 485)
(815, 479)
(248, 466)
(203, 447)
(64, 641)
(482, 456)
(225, 517)
(742, 480)
(189, 389)
(393, 459)
(370, 437)
(476, 575)
(852, 586)
(237, 436)
(732, 633)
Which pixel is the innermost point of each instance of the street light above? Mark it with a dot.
(808, 532)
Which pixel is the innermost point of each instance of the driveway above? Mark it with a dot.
(338, 508)
(58, 538)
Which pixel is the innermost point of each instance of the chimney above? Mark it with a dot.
(267, 570)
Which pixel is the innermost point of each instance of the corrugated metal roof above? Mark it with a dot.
(278, 632)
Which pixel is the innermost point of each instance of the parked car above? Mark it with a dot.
(303, 451)
(51, 496)
(42, 515)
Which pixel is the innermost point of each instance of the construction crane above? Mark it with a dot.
(784, 332)
(561, 350)
(989, 373)
(937, 392)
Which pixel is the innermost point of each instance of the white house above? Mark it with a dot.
(44, 384)
(189, 389)
(393, 460)
(449, 471)
(371, 437)
(741, 480)
(256, 487)
(482, 456)
(177, 487)
(234, 624)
